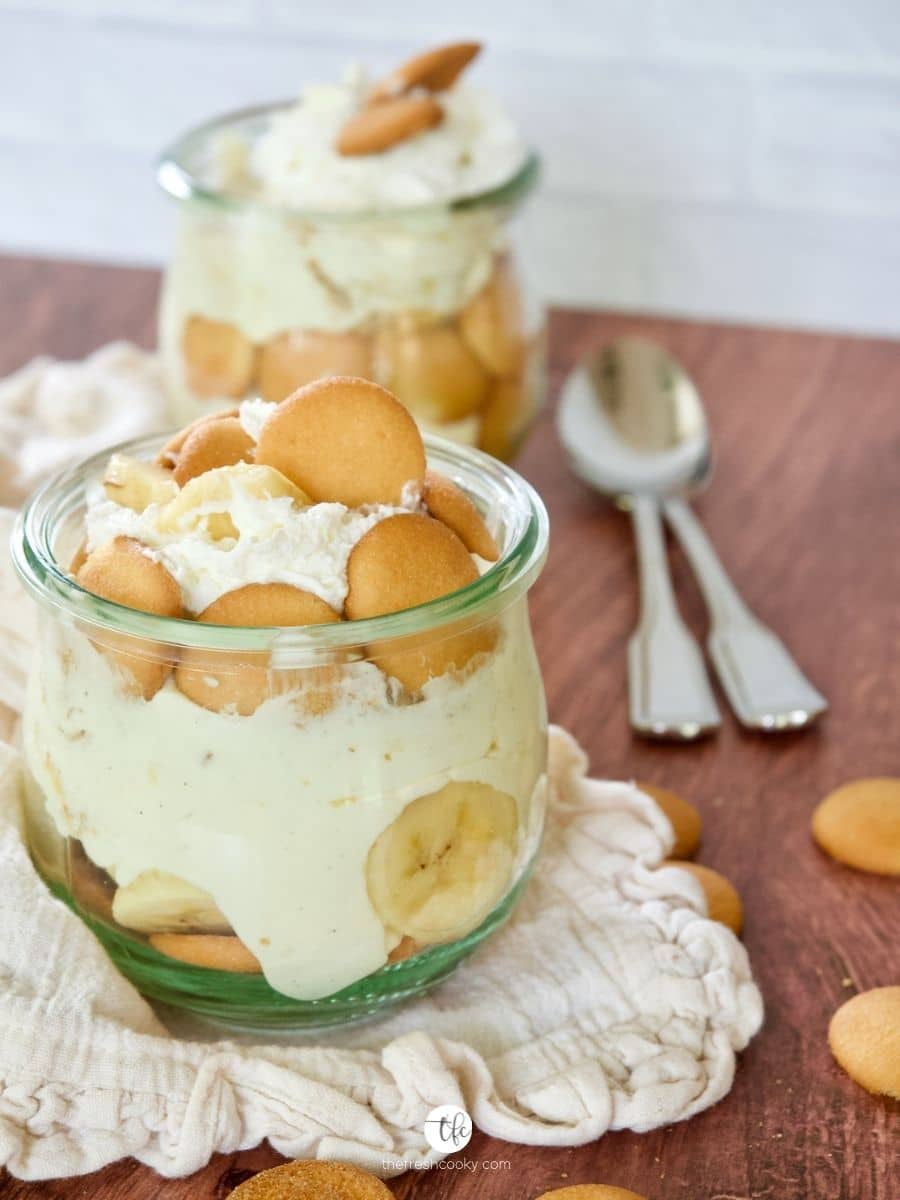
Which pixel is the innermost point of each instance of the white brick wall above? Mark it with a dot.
(733, 158)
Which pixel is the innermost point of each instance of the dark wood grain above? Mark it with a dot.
(804, 508)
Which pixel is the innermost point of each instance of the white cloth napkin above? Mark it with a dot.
(53, 414)
(609, 1001)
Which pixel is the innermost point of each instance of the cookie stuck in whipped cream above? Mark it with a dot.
(453, 508)
(123, 571)
(345, 440)
(403, 104)
(434, 70)
(381, 126)
(219, 443)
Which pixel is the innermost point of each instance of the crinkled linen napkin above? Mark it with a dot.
(609, 1001)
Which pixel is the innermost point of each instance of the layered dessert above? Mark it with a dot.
(266, 778)
(365, 231)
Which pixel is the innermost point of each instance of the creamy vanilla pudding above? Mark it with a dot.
(297, 258)
(285, 730)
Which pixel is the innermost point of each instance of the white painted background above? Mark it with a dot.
(733, 158)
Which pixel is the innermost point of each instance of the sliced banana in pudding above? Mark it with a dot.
(157, 902)
(136, 484)
(440, 868)
(208, 499)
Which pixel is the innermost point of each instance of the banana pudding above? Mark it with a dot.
(285, 732)
(366, 231)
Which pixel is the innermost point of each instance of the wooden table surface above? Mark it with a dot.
(804, 509)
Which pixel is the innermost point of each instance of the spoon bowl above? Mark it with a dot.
(632, 423)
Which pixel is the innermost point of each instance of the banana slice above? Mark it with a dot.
(136, 484)
(157, 902)
(439, 869)
(207, 499)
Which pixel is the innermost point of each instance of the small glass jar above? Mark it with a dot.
(351, 822)
(427, 301)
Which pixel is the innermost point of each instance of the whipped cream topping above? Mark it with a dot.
(253, 414)
(277, 541)
(295, 164)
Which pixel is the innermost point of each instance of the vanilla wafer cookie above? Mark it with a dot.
(313, 1180)
(124, 571)
(345, 439)
(225, 681)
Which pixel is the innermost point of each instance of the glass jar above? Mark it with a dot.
(428, 301)
(358, 817)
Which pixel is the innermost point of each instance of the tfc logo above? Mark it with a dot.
(448, 1128)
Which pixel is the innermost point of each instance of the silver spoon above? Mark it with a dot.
(634, 427)
(669, 692)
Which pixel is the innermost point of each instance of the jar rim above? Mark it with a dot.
(179, 180)
(44, 513)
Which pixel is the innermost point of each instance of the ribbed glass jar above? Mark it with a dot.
(430, 301)
(336, 843)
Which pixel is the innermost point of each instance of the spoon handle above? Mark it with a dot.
(670, 696)
(765, 687)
